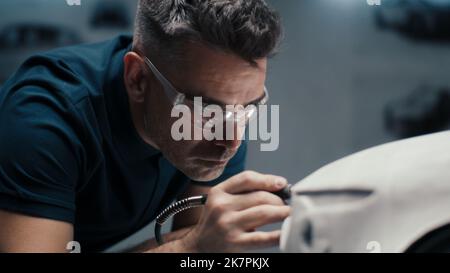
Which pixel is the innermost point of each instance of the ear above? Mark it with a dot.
(134, 77)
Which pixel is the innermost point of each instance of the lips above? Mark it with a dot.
(215, 161)
(221, 158)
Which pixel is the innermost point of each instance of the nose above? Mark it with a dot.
(229, 144)
(232, 136)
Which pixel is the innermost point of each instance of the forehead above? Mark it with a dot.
(218, 75)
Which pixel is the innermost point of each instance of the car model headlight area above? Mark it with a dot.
(390, 198)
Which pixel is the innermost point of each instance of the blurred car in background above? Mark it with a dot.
(44, 25)
(416, 17)
(425, 110)
(35, 35)
(113, 15)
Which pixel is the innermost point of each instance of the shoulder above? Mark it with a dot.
(72, 73)
(47, 112)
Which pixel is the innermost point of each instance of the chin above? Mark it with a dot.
(203, 174)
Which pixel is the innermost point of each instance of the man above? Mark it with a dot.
(86, 151)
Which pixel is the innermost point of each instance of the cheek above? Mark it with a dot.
(162, 120)
(185, 149)
(159, 104)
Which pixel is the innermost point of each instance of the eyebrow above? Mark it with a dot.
(204, 99)
(213, 101)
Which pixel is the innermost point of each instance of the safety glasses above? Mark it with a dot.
(240, 114)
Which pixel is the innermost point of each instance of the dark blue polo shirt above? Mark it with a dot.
(69, 150)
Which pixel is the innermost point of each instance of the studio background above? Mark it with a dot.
(335, 76)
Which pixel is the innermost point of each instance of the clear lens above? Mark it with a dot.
(240, 114)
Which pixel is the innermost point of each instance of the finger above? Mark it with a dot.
(255, 217)
(259, 239)
(252, 181)
(253, 199)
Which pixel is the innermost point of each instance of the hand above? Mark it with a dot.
(234, 209)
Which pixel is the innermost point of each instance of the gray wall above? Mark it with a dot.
(335, 73)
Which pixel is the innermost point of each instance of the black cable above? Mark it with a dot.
(175, 208)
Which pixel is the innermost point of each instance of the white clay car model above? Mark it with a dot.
(390, 198)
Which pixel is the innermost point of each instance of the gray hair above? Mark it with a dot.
(247, 28)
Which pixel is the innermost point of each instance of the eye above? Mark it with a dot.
(335, 197)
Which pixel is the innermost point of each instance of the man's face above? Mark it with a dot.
(213, 75)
